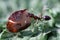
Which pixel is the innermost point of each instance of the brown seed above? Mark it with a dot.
(20, 20)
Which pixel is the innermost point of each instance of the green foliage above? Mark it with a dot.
(39, 29)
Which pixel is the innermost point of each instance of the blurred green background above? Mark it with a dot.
(34, 6)
(8, 6)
